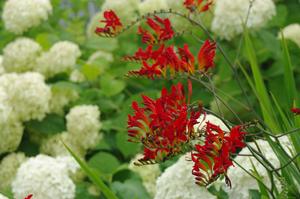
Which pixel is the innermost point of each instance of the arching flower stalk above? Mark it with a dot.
(165, 126)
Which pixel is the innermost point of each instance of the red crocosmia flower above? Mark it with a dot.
(206, 55)
(296, 111)
(187, 58)
(235, 139)
(28, 197)
(149, 71)
(112, 22)
(198, 5)
(163, 125)
(147, 37)
(164, 61)
(213, 158)
(161, 27)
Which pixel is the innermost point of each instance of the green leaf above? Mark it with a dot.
(260, 88)
(104, 162)
(63, 85)
(111, 86)
(221, 194)
(254, 194)
(125, 174)
(289, 79)
(94, 178)
(46, 40)
(91, 71)
(50, 125)
(82, 191)
(105, 44)
(132, 189)
(127, 148)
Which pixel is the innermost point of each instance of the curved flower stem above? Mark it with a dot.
(218, 97)
(214, 93)
(289, 162)
(280, 135)
(259, 180)
(259, 157)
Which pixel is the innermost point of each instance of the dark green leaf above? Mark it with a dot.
(104, 162)
(50, 125)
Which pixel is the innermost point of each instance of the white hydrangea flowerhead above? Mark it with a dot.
(2, 70)
(83, 122)
(5, 108)
(229, 16)
(77, 76)
(60, 58)
(292, 32)
(28, 94)
(53, 146)
(2, 196)
(125, 15)
(241, 181)
(177, 181)
(203, 119)
(11, 130)
(71, 165)
(11, 136)
(148, 173)
(149, 6)
(100, 55)
(20, 55)
(8, 169)
(19, 16)
(60, 97)
(101, 59)
(44, 177)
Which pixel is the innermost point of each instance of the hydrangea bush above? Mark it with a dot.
(149, 99)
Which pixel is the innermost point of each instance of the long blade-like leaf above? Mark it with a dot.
(98, 182)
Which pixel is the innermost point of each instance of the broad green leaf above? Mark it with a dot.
(82, 191)
(104, 162)
(50, 125)
(221, 194)
(63, 85)
(132, 189)
(111, 86)
(91, 71)
(125, 174)
(127, 148)
(46, 40)
(99, 43)
(94, 178)
(254, 194)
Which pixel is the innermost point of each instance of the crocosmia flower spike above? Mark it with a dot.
(162, 29)
(112, 26)
(164, 126)
(198, 5)
(213, 158)
(206, 55)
